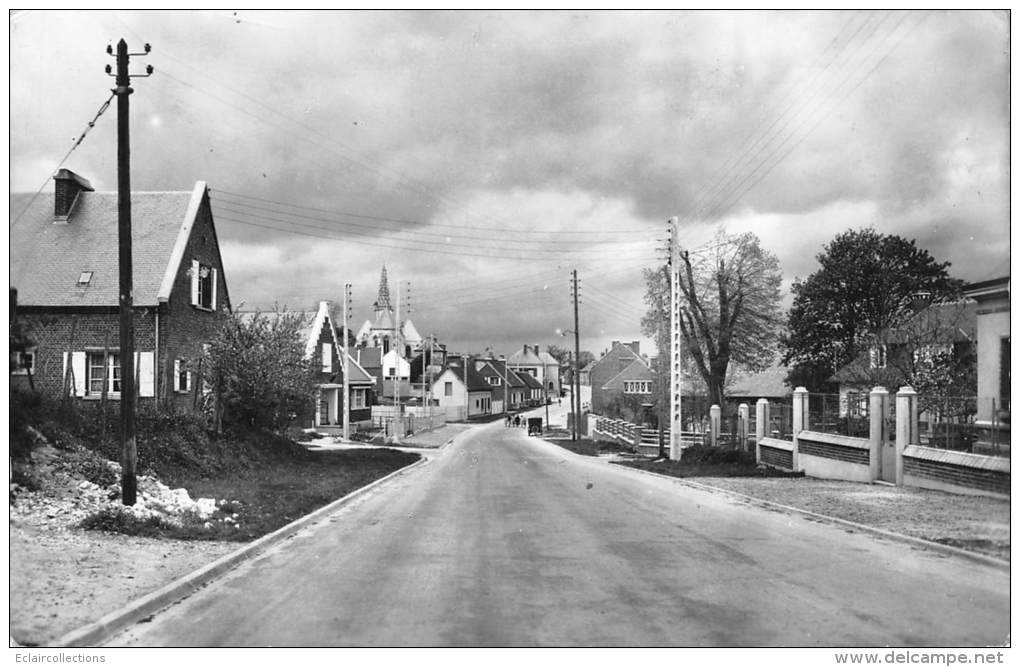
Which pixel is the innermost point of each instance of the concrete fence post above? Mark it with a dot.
(743, 417)
(800, 420)
(878, 410)
(715, 423)
(906, 426)
(761, 424)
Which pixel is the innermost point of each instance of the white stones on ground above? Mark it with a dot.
(63, 501)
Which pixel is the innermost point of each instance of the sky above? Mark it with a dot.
(481, 157)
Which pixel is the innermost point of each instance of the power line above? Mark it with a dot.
(445, 238)
(81, 138)
(408, 221)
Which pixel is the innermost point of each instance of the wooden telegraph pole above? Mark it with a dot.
(129, 452)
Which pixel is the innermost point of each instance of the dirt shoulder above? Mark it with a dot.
(973, 523)
(62, 579)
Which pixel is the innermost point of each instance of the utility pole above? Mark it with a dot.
(397, 347)
(675, 374)
(129, 451)
(346, 366)
(577, 357)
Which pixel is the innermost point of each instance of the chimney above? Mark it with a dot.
(68, 185)
(636, 347)
(536, 349)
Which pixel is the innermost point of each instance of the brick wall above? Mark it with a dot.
(981, 479)
(833, 451)
(184, 327)
(93, 328)
(779, 458)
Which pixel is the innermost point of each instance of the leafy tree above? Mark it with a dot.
(258, 372)
(729, 309)
(868, 283)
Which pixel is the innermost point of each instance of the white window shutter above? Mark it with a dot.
(177, 375)
(215, 281)
(327, 357)
(146, 374)
(187, 381)
(78, 368)
(194, 281)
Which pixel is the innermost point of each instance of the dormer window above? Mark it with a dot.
(84, 278)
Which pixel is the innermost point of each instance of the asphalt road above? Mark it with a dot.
(506, 540)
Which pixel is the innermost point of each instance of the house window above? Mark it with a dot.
(182, 376)
(357, 398)
(448, 389)
(98, 374)
(877, 356)
(327, 358)
(84, 278)
(203, 285)
(23, 362)
(495, 381)
(391, 372)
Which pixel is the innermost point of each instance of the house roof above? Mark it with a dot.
(953, 322)
(475, 382)
(370, 357)
(617, 352)
(532, 382)
(769, 383)
(47, 257)
(636, 370)
(526, 357)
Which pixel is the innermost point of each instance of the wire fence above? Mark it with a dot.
(963, 424)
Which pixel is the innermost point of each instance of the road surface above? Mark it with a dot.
(506, 540)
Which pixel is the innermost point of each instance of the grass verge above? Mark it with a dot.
(709, 462)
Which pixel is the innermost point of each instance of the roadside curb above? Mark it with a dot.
(898, 537)
(116, 621)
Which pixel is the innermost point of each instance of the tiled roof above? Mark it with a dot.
(532, 382)
(637, 370)
(475, 382)
(369, 357)
(47, 257)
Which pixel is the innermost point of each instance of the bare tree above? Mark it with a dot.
(729, 308)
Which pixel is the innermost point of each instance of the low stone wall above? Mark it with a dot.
(830, 456)
(956, 472)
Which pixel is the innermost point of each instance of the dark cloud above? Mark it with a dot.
(487, 130)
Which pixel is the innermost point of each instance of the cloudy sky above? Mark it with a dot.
(483, 156)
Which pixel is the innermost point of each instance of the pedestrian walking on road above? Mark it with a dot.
(506, 422)
(517, 421)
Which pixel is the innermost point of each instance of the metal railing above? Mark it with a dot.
(955, 423)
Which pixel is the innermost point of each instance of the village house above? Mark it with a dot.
(64, 265)
(615, 361)
(323, 347)
(461, 391)
(993, 357)
(539, 365)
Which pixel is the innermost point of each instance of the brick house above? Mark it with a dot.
(616, 360)
(64, 264)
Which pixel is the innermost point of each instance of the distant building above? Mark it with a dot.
(383, 331)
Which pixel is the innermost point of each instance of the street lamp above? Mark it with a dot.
(576, 380)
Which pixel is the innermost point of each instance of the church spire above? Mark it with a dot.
(383, 301)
